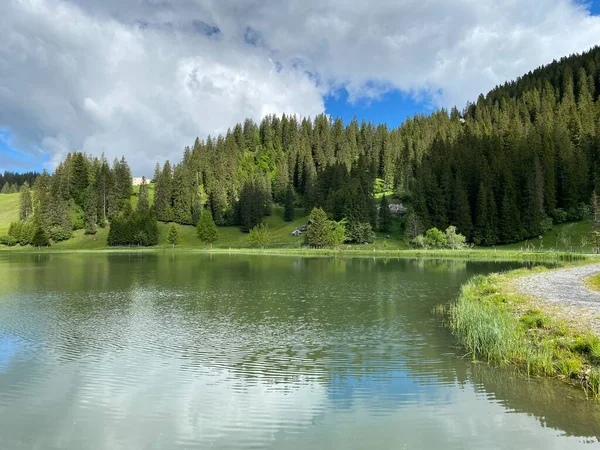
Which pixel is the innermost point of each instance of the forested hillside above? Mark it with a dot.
(505, 168)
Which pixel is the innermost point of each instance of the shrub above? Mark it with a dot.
(546, 224)
(454, 240)
(260, 236)
(58, 233)
(435, 238)
(8, 241)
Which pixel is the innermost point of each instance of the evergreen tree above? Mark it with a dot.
(196, 208)
(385, 216)
(173, 236)
(289, 211)
(319, 228)
(481, 219)
(206, 228)
(182, 196)
(79, 178)
(25, 205)
(90, 212)
(251, 206)
(460, 209)
(143, 204)
(40, 238)
(163, 194)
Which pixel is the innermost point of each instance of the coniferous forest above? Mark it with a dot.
(503, 169)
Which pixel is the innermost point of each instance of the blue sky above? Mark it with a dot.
(392, 108)
(127, 78)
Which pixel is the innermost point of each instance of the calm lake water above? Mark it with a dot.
(170, 351)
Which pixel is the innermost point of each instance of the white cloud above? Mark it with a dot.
(140, 78)
(73, 80)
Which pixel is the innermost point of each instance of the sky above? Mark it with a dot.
(143, 78)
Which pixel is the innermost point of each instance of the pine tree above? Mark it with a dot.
(182, 196)
(122, 178)
(289, 211)
(40, 238)
(196, 208)
(90, 212)
(206, 228)
(481, 218)
(163, 194)
(251, 206)
(318, 232)
(79, 178)
(385, 216)
(143, 204)
(460, 209)
(25, 205)
(173, 236)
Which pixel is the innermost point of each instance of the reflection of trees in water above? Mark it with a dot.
(554, 404)
(281, 320)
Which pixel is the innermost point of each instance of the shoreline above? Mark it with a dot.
(500, 319)
(469, 254)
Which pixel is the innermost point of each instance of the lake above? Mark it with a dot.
(193, 351)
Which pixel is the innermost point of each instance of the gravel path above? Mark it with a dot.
(566, 288)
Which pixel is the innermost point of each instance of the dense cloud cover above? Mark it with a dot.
(145, 77)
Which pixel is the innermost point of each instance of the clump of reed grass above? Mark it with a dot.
(495, 324)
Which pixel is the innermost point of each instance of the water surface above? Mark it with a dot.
(153, 351)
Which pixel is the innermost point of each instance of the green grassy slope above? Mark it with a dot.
(565, 237)
(9, 211)
(229, 237)
(575, 236)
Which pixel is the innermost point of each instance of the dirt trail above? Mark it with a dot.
(566, 288)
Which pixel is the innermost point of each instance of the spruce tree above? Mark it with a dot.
(182, 196)
(90, 212)
(25, 205)
(481, 218)
(252, 205)
(385, 216)
(319, 229)
(289, 211)
(460, 209)
(163, 194)
(79, 178)
(143, 204)
(173, 236)
(206, 229)
(40, 238)
(196, 208)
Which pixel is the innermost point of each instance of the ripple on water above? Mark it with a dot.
(200, 354)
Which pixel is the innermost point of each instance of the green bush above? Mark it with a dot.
(434, 238)
(259, 236)
(8, 241)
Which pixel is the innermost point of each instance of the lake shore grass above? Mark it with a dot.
(356, 251)
(496, 323)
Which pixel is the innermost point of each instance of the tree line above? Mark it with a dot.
(11, 182)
